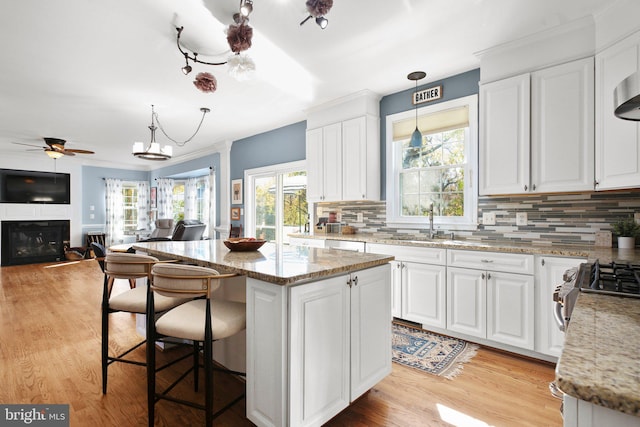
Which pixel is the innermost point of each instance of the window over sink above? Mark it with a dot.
(441, 172)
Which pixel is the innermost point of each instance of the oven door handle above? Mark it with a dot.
(557, 314)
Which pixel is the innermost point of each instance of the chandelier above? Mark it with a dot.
(239, 35)
(153, 150)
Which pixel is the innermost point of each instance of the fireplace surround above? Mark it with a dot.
(33, 241)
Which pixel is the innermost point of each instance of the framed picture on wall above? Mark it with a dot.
(153, 195)
(235, 214)
(236, 192)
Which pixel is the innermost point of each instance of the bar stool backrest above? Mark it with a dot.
(185, 281)
(126, 265)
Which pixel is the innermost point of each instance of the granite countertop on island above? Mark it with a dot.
(274, 263)
(600, 362)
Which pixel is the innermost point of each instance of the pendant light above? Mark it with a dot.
(416, 136)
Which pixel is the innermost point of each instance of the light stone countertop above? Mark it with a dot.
(278, 264)
(589, 252)
(600, 362)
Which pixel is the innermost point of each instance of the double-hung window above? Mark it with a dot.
(440, 174)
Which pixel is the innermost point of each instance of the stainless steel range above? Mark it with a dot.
(615, 278)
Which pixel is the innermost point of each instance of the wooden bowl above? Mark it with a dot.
(243, 244)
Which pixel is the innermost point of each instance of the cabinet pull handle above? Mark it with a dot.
(349, 283)
(488, 276)
(526, 187)
(534, 187)
(483, 276)
(486, 260)
(542, 262)
(356, 281)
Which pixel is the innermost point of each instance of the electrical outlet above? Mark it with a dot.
(359, 217)
(521, 218)
(489, 218)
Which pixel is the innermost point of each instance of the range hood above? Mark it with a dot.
(626, 98)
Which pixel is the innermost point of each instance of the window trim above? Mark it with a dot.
(470, 221)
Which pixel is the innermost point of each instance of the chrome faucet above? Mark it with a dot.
(432, 233)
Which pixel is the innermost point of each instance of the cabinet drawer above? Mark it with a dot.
(410, 253)
(495, 261)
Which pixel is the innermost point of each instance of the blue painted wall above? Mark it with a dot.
(282, 145)
(453, 87)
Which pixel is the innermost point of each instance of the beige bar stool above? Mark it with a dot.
(129, 267)
(202, 321)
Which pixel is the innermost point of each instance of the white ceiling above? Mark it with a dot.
(88, 71)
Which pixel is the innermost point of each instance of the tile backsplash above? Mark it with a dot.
(556, 219)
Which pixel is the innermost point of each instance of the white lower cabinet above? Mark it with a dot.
(418, 282)
(549, 272)
(467, 302)
(308, 362)
(496, 303)
(424, 293)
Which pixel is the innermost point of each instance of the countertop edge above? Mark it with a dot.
(585, 371)
(523, 248)
(277, 280)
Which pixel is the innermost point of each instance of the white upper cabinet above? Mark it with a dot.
(324, 161)
(562, 111)
(504, 136)
(617, 140)
(343, 150)
(537, 131)
(361, 159)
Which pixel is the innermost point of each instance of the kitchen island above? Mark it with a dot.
(318, 325)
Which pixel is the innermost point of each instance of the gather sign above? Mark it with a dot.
(427, 95)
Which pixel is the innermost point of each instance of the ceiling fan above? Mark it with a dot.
(55, 148)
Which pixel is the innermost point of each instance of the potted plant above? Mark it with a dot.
(627, 230)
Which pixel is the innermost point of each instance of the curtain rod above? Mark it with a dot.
(211, 168)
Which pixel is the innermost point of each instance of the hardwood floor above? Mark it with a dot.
(50, 353)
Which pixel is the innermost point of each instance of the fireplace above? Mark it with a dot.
(30, 242)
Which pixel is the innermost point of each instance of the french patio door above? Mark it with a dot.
(276, 201)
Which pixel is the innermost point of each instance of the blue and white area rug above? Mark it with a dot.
(430, 352)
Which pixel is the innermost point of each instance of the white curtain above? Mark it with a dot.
(191, 198)
(165, 198)
(209, 203)
(143, 205)
(115, 211)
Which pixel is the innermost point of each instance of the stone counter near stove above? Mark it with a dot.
(600, 362)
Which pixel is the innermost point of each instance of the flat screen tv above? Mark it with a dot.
(19, 186)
